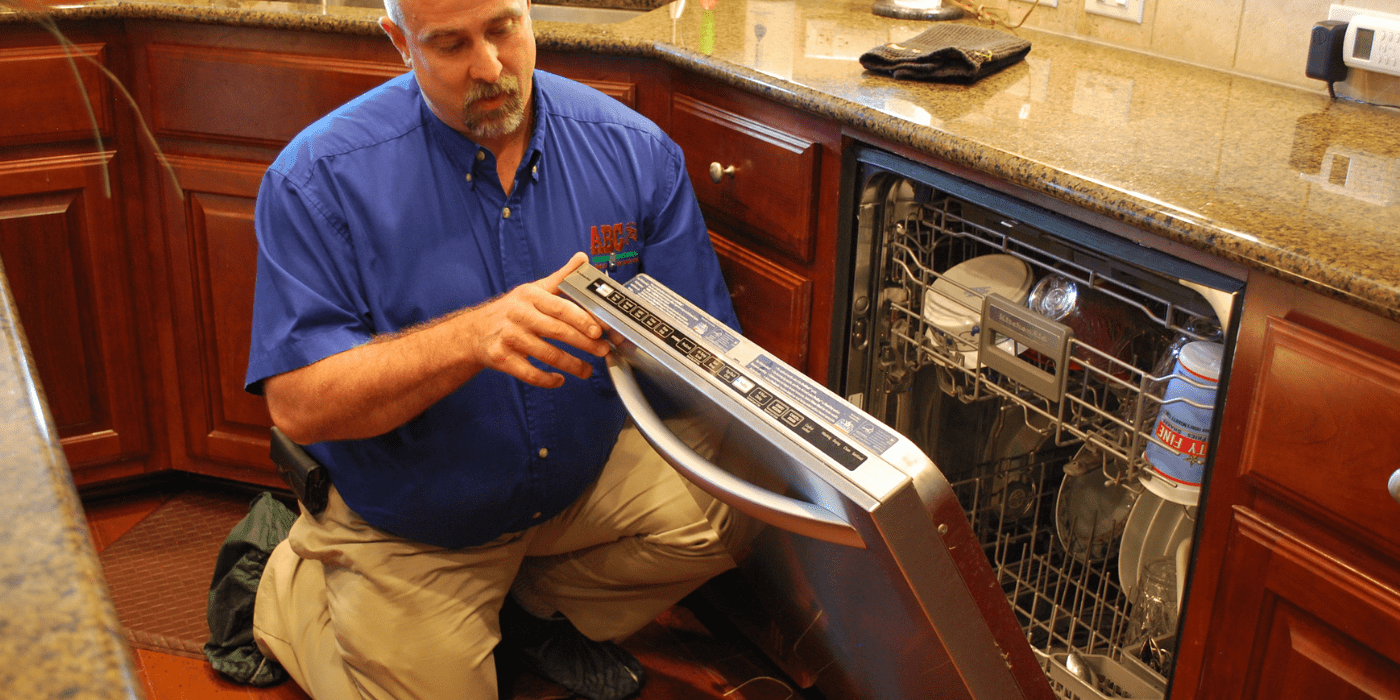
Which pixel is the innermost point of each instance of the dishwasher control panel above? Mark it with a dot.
(731, 377)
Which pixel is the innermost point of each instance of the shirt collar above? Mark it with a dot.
(463, 152)
(534, 152)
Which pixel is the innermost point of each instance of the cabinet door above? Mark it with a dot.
(66, 259)
(1308, 604)
(629, 81)
(222, 108)
(774, 305)
(615, 84)
(38, 98)
(213, 252)
(239, 95)
(1324, 434)
(1299, 624)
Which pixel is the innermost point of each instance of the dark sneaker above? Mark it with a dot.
(555, 649)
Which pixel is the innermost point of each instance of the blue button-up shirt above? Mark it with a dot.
(379, 217)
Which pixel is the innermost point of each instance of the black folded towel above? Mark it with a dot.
(951, 53)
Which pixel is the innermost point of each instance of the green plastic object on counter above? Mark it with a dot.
(707, 32)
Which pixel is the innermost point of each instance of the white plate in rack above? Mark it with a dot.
(953, 303)
(1155, 528)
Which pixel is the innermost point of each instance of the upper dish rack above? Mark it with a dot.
(1105, 396)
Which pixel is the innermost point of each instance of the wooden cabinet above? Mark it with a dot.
(773, 303)
(1305, 602)
(1296, 620)
(1325, 432)
(636, 83)
(756, 176)
(213, 254)
(62, 237)
(222, 107)
(768, 180)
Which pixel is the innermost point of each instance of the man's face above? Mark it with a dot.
(474, 60)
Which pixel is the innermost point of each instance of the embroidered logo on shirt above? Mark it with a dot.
(611, 245)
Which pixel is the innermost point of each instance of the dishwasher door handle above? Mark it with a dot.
(761, 504)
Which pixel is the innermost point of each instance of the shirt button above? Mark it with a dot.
(481, 155)
(469, 177)
(506, 212)
(534, 170)
(544, 452)
(536, 516)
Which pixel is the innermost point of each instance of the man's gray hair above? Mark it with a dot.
(391, 8)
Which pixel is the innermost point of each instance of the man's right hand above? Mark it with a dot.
(512, 328)
(376, 387)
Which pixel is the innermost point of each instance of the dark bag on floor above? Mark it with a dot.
(952, 53)
(242, 557)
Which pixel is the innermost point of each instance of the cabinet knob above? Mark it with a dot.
(717, 172)
(1394, 485)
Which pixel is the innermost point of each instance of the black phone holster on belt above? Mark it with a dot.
(307, 478)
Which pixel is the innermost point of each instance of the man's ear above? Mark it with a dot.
(396, 36)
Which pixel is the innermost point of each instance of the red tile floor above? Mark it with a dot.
(683, 658)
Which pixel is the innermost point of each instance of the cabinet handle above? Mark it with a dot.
(717, 172)
(1394, 485)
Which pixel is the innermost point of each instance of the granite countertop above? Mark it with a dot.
(1245, 170)
(59, 634)
(1266, 176)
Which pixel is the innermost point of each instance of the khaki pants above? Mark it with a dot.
(354, 612)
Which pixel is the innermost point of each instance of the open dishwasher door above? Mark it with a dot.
(865, 554)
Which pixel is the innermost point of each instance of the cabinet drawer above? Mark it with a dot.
(605, 74)
(1326, 431)
(774, 305)
(771, 192)
(39, 94)
(253, 97)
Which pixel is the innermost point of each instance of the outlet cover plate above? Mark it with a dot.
(1126, 10)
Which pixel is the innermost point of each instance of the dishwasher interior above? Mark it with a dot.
(1043, 444)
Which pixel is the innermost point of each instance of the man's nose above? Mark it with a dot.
(485, 66)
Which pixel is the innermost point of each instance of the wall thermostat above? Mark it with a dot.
(1372, 44)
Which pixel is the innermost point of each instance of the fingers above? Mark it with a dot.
(521, 368)
(552, 282)
(511, 349)
(569, 312)
(562, 320)
(515, 330)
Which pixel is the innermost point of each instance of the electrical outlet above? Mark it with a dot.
(1126, 10)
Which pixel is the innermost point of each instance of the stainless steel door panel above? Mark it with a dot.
(870, 579)
(895, 618)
